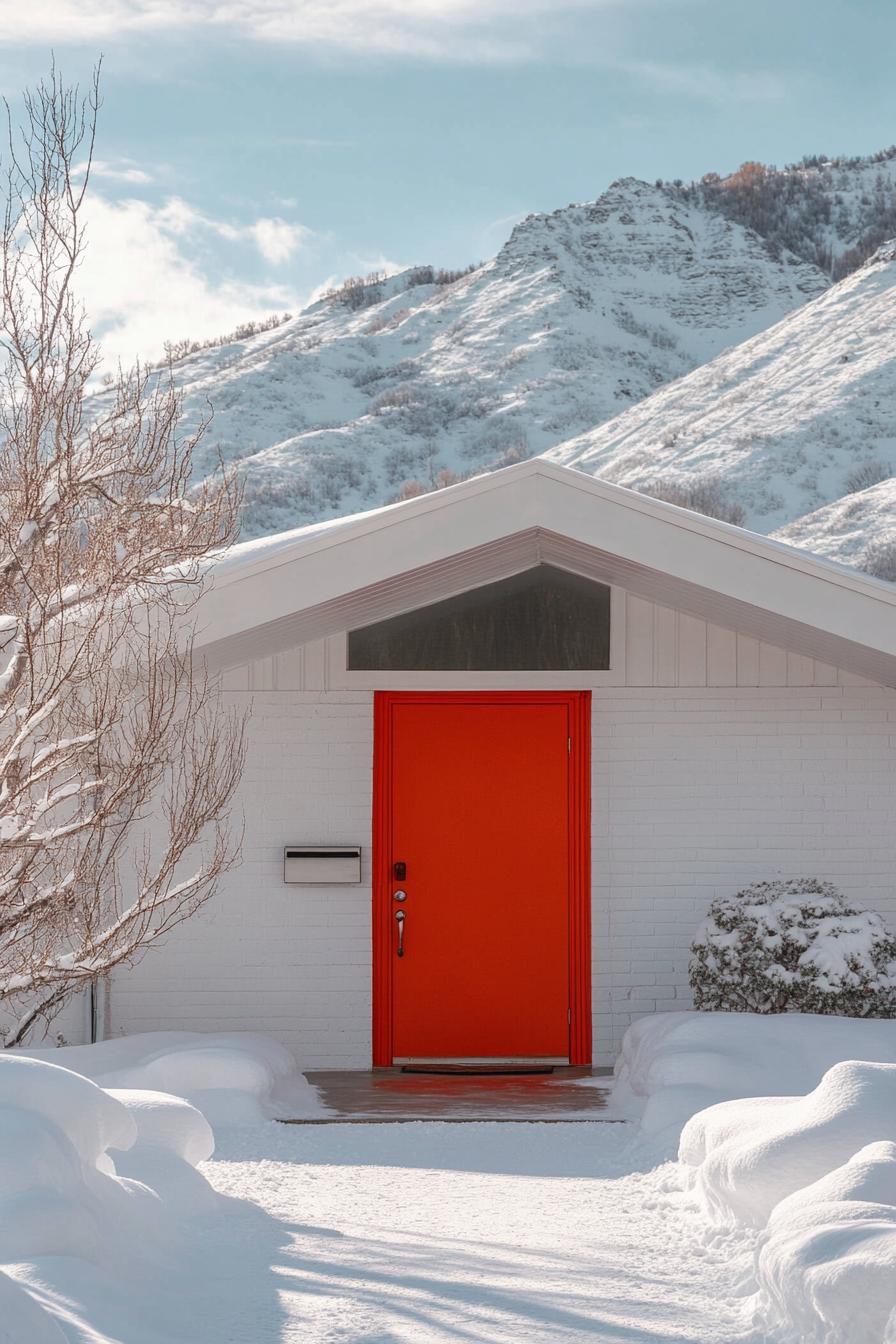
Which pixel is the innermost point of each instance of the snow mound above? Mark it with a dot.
(232, 1078)
(172, 1139)
(673, 1065)
(99, 1182)
(815, 1173)
(22, 1320)
(76, 1162)
(170, 1123)
(826, 1266)
(746, 1156)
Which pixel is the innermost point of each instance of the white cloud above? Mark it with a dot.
(141, 289)
(276, 239)
(125, 171)
(460, 28)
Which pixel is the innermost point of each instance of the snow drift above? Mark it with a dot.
(675, 1064)
(231, 1077)
(77, 1168)
(818, 1173)
(827, 1264)
(108, 1228)
(746, 1156)
(814, 1174)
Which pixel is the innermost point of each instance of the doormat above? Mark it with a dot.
(485, 1070)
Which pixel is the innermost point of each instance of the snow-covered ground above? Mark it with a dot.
(120, 1225)
(425, 1233)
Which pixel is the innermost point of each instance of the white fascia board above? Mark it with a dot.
(378, 547)
(334, 561)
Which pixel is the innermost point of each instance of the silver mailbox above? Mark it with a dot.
(322, 865)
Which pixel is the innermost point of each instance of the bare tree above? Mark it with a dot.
(117, 764)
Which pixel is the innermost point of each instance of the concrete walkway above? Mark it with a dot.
(388, 1095)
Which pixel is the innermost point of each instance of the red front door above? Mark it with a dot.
(475, 793)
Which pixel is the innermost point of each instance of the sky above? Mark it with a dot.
(253, 152)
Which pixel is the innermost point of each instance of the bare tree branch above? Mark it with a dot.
(117, 764)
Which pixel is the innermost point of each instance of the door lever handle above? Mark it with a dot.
(400, 918)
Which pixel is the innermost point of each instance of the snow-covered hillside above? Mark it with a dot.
(859, 529)
(832, 212)
(583, 313)
(778, 427)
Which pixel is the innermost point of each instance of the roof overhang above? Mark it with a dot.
(273, 594)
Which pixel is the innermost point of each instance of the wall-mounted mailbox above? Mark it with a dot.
(322, 865)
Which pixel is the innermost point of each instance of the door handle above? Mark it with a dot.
(400, 918)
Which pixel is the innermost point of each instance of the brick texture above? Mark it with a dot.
(695, 792)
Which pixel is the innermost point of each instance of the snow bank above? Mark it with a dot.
(22, 1320)
(232, 1078)
(826, 1266)
(56, 1129)
(675, 1064)
(814, 1173)
(747, 1156)
(92, 1177)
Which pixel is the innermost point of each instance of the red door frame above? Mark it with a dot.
(579, 703)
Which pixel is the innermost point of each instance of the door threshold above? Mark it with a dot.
(479, 1070)
(473, 1061)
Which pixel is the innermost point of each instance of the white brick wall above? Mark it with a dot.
(695, 792)
(291, 961)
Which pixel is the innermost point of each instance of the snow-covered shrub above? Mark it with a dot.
(879, 560)
(793, 946)
(864, 475)
(386, 321)
(704, 494)
(391, 398)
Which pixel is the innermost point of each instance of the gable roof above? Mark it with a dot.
(277, 592)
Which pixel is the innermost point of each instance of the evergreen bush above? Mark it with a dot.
(793, 946)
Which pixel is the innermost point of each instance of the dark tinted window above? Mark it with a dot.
(542, 620)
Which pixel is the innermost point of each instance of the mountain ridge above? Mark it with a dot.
(687, 339)
(406, 384)
(784, 424)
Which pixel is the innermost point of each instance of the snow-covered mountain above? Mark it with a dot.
(859, 529)
(583, 313)
(834, 213)
(780, 426)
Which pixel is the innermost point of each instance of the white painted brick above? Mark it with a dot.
(695, 792)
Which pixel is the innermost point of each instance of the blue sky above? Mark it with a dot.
(251, 151)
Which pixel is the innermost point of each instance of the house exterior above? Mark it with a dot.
(557, 718)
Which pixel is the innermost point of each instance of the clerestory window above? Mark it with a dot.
(542, 620)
